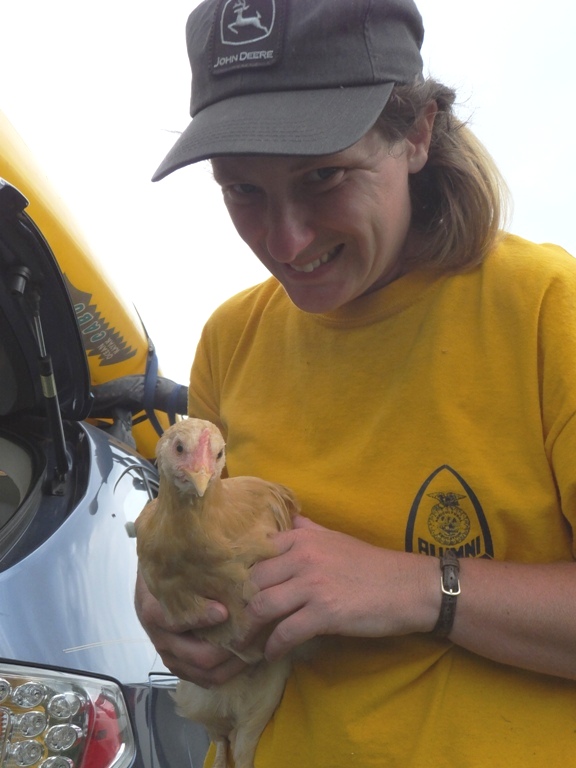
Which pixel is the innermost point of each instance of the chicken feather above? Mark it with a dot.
(198, 541)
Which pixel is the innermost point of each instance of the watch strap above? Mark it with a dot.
(450, 587)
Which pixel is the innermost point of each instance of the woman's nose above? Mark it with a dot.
(288, 231)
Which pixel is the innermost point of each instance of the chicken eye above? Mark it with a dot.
(179, 448)
(220, 454)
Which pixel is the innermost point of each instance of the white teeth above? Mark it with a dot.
(311, 266)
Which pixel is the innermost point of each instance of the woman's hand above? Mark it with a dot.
(323, 582)
(183, 654)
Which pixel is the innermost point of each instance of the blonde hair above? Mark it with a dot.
(459, 198)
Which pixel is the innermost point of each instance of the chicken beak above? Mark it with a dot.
(200, 479)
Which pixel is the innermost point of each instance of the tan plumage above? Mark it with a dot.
(198, 540)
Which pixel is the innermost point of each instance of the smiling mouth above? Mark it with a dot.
(313, 265)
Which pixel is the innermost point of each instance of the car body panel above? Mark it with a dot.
(90, 548)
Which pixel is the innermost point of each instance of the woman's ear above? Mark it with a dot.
(419, 138)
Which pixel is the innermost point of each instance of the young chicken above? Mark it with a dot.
(197, 541)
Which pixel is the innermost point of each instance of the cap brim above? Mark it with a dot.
(279, 123)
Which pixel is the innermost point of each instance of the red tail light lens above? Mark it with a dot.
(59, 720)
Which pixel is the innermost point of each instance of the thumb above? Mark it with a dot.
(211, 614)
(299, 521)
(215, 613)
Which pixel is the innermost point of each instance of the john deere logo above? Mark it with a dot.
(246, 21)
(248, 34)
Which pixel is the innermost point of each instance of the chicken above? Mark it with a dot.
(198, 540)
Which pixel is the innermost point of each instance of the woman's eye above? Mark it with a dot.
(324, 174)
(239, 194)
(243, 189)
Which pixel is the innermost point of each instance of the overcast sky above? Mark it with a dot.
(99, 91)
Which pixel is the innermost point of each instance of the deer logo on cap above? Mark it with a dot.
(243, 22)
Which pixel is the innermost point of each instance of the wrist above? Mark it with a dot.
(429, 593)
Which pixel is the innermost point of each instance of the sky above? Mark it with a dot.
(99, 92)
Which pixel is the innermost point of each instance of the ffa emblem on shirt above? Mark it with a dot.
(447, 522)
(446, 514)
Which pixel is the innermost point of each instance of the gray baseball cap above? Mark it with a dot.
(292, 77)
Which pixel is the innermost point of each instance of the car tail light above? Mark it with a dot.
(52, 719)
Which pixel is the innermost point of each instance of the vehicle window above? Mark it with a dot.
(15, 477)
(9, 389)
(9, 498)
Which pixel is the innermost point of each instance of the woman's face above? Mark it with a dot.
(330, 228)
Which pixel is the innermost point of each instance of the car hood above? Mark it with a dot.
(37, 321)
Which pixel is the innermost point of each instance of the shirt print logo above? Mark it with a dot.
(246, 21)
(447, 522)
(446, 514)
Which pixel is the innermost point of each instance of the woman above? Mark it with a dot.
(409, 371)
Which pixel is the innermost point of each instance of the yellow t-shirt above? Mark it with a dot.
(436, 412)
